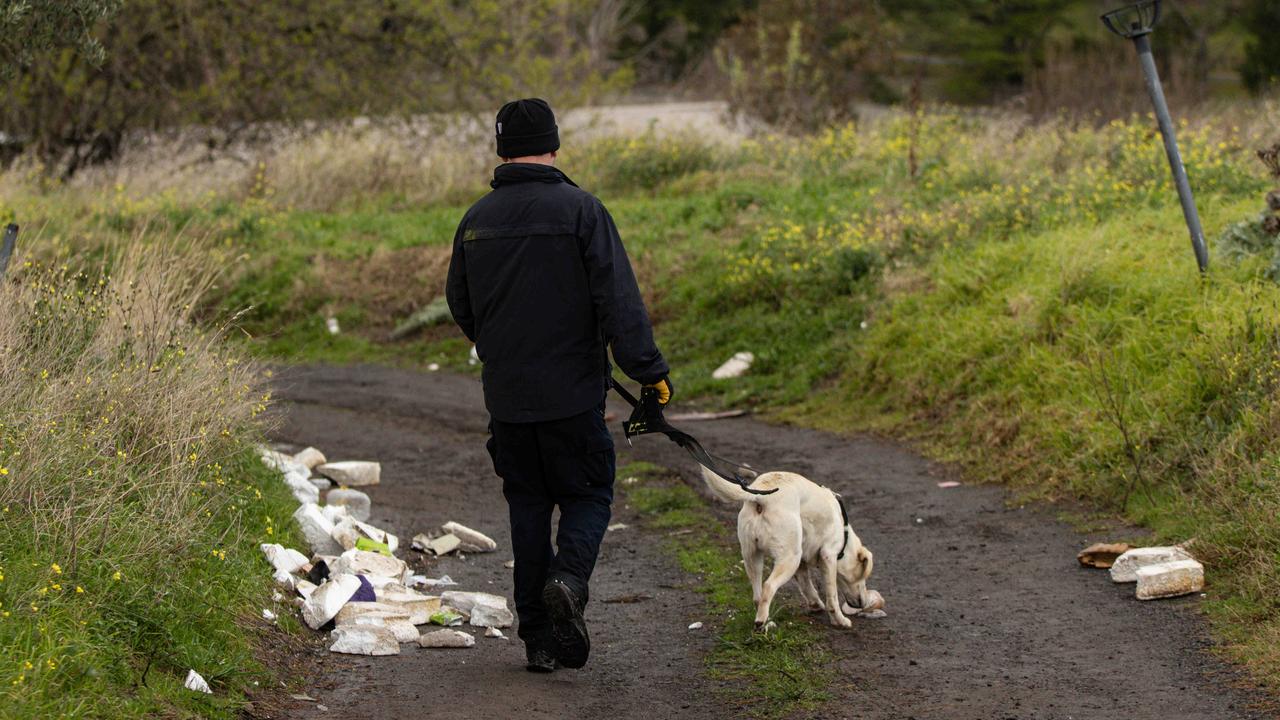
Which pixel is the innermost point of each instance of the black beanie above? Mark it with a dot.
(527, 127)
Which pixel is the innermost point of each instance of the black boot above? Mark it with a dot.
(540, 656)
(572, 645)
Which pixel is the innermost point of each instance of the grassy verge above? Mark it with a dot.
(785, 670)
(131, 495)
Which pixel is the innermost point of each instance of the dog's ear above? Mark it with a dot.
(866, 560)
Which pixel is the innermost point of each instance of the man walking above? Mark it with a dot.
(540, 282)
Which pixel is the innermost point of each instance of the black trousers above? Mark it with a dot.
(566, 463)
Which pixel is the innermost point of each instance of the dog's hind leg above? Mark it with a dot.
(784, 567)
(753, 562)
(832, 588)
(804, 579)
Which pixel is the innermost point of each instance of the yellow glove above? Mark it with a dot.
(665, 391)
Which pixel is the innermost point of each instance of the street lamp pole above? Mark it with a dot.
(1136, 22)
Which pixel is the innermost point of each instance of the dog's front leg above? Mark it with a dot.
(832, 587)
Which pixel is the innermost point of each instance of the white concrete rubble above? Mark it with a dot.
(352, 473)
(1125, 568)
(734, 366)
(470, 540)
(494, 632)
(310, 457)
(446, 639)
(305, 588)
(364, 640)
(196, 682)
(398, 623)
(444, 544)
(316, 528)
(419, 606)
(482, 609)
(335, 513)
(356, 502)
(283, 558)
(285, 579)
(365, 562)
(1170, 579)
(325, 601)
(320, 482)
(302, 488)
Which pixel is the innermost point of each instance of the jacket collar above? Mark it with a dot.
(512, 173)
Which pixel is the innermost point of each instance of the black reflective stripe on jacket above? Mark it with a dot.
(539, 280)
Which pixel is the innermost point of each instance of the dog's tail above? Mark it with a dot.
(727, 491)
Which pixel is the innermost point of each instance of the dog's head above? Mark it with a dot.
(853, 570)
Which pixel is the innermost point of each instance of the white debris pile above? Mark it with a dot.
(1159, 572)
(353, 585)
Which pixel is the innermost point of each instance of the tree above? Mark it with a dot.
(1261, 67)
(31, 27)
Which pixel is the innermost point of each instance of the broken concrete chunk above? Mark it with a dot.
(354, 610)
(399, 625)
(285, 579)
(1125, 567)
(335, 513)
(419, 606)
(283, 558)
(325, 601)
(1169, 579)
(365, 640)
(316, 528)
(734, 366)
(494, 632)
(444, 544)
(302, 488)
(321, 482)
(363, 562)
(310, 457)
(446, 639)
(483, 609)
(470, 540)
(305, 588)
(1102, 555)
(352, 473)
(356, 502)
(346, 534)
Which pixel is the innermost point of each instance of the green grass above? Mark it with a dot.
(785, 670)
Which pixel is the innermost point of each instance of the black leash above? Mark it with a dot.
(646, 417)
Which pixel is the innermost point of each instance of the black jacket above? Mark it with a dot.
(539, 280)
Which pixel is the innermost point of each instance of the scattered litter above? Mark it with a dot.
(364, 562)
(695, 626)
(1170, 579)
(310, 457)
(474, 359)
(197, 683)
(352, 473)
(366, 544)
(470, 540)
(484, 609)
(276, 596)
(325, 601)
(617, 526)
(769, 627)
(319, 571)
(734, 366)
(1102, 555)
(1125, 567)
(268, 615)
(433, 367)
(364, 640)
(365, 592)
(303, 697)
(631, 480)
(863, 325)
(322, 708)
(948, 484)
(447, 617)
(704, 416)
(446, 639)
(494, 632)
(431, 583)
(332, 325)
(510, 564)
(356, 502)
(919, 521)
(627, 599)
(444, 544)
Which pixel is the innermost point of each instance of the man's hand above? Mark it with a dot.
(665, 390)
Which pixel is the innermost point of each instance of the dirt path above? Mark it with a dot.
(989, 615)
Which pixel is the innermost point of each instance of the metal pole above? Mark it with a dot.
(6, 247)
(1143, 44)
